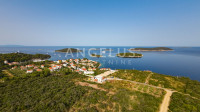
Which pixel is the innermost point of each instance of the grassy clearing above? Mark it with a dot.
(134, 75)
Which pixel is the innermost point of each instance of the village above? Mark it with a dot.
(81, 66)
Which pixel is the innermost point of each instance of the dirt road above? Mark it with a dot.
(166, 101)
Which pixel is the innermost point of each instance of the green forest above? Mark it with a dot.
(61, 93)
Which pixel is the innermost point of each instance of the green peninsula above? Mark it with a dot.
(73, 50)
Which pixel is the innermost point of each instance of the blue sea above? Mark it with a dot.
(183, 61)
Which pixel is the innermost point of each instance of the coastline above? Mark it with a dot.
(130, 57)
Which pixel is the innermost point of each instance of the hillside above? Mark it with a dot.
(61, 93)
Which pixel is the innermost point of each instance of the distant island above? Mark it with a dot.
(152, 49)
(73, 50)
(107, 49)
(95, 55)
(129, 55)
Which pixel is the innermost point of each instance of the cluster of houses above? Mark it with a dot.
(12, 63)
(82, 66)
(30, 68)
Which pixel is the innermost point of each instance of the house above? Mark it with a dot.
(55, 67)
(14, 67)
(23, 68)
(108, 69)
(63, 61)
(88, 72)
(5, 62)
(59, 66)
(73, 66)
(51, 69)
(59, 61)
(90, 69)
(70, 60)
(76, 60)
(84, 69)
(100, 79)
(29, 71)
(37, 60)
(76, 70)
(39, 70)
(29, 66)
(42, 66)
(35, 67)
(15, 63)
(105, 69)
(65, 65)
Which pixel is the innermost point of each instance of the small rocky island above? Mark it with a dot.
(96, 55)
(107, 49)
(73, 50)
(129, 55)
(152, 49)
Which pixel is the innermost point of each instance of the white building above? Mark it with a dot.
(37, 60)
(63, 61)
(100, 79)
(65, 65)
(29, 71)
(5, 62)
(42, 66)
(88, 72)
(56, 61)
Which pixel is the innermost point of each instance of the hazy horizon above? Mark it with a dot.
(87, 46)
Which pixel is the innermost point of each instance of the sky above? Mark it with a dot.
(100, 22)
